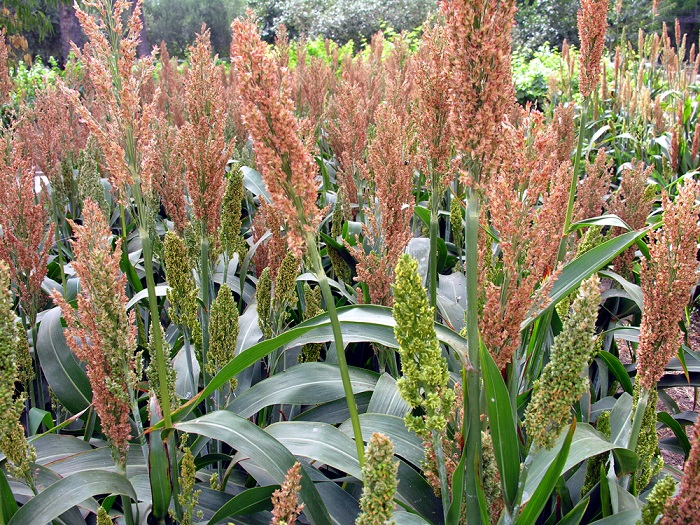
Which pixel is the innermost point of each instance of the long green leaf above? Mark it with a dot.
(247, 502)
(541, 494)
(581, 268)
(358, 322)
(8, 505)
(302, 384)
(502, 425)
(67, 379)
(262, 449)
(575, 516)
(671, 423)
(618, 370)
(70, 492)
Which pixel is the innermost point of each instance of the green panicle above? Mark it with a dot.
(263, 296)
(562, 381)
(311, 352)
(89, 181)
(593, 238)
(285, 283)
(379, 479)
(650, 461)
(230, 229)
(25, 368)
(490, 478)
(188, 496)
(182, 291)
(656, 501)
(596, 462)
(456, 221)
(13, 443)
(223, 332)
(102, 517)
(425, 374)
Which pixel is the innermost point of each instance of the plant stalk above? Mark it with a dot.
(155, 323)
(471, 400)
(315, 257)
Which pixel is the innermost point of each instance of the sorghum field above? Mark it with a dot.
(344, 288)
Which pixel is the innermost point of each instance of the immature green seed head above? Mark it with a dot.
(656, 501)
(562, 382)
(223, 331)
(425, 374)
(650, 460)
(379, 479)
(230, 226)
(285, 283)
(263, 296)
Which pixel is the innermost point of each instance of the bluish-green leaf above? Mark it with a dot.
(262, 449)
(70, 492)
(251, 500)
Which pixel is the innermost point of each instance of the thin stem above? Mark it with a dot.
(473, 444)
(435, 197)
(315, 257)
(204, 307)
(442, 471)
(155, 323)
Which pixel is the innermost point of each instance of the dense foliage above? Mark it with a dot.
(314, 286)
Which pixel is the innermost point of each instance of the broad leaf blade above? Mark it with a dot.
(264, 450)
(70, 492)
(502, 425)
(247, 502)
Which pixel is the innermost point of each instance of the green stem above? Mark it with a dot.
(204, 308)
(155, 323)
(315, 257)
(442, 471)
(473, 443)
(574, 181)
(435, 196)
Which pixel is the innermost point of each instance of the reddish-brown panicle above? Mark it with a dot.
(592, 25)
(283, 159)
(667, 278)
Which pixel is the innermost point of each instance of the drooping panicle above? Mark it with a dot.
(282, 157)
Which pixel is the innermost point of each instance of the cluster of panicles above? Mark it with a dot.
(425, 375)
(283, 159)
(285, 501)
(6, 83)
(561, 383)
(230, 237)
(350, 114)
(13, 443)
(201, 140)
(526, 201)
(592, 25)
(379, 482)
(314, 79)
(632, 202)
(116, 116)
(223, 331)
(478, 54)
(592, 189)
(100, 332)
(25, 241)
(666, 279)
(53, 134)
(182, 291)
(433, 104)
(390, 170)
(684, 509)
